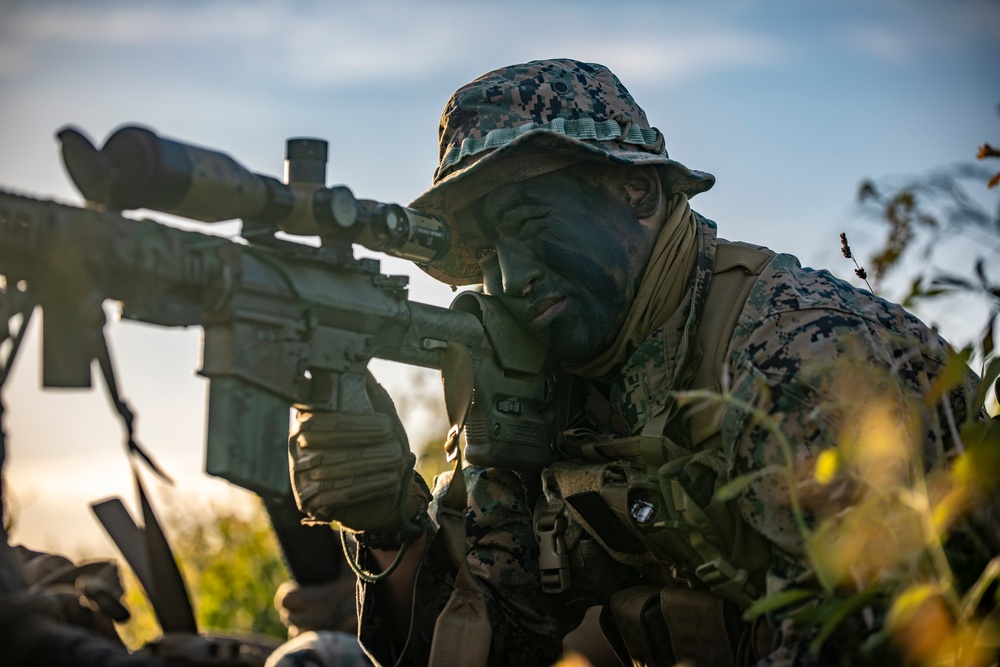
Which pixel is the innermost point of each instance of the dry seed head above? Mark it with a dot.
(844, 248)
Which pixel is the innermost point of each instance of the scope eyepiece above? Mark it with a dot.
(411, 234)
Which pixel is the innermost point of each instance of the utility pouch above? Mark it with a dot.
(731, 557)
(636, 629)
(618, 504)
(662, 518)
(665, 626)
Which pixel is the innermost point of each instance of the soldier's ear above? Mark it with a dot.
(641, 185)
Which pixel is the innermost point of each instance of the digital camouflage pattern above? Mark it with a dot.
(528, 624)
(786, 359)
(803, 340)
(574, 110)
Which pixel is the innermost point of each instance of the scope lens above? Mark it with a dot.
(392, 225)
(391, 220)
(343, 207)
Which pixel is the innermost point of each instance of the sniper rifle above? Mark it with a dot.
(286, 324)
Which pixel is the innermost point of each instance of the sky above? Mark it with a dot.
(790, 104)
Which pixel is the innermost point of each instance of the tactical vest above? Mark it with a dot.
(649, 502)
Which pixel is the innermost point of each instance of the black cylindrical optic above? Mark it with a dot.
(410, 234)
(138, 169)
(156, 173)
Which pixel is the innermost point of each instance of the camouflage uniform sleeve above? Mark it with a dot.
(782, 376)
(812, 353)
(528, 625)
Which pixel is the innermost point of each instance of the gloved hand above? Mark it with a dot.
(87, 595)
(311, 607)
(357, 470)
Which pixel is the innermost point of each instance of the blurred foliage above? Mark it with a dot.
(142, 626)
(902, 544)
(922, 211)
(986, 152)
(232, 565)
(231, 560)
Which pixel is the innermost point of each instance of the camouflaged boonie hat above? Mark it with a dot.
(564, 110)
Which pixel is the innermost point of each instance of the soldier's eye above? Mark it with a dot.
(488, 251)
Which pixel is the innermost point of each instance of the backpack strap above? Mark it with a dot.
(737, 266)
(689, 623)
(462, 632)
(659, 626)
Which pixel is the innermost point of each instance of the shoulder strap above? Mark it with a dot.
(462, 631)
(737, 266)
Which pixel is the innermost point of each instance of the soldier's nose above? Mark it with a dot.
(519, 270)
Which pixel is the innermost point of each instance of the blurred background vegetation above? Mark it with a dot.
(906, 561)
(231, 560)
(232, 566)
(941, 230)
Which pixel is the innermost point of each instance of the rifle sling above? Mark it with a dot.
(462, 632)
(148, 553)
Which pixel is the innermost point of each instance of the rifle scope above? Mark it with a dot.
(138, 169)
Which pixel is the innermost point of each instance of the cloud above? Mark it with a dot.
(429, 41)
(314, 44)
(691, 54)
(882, 42)
(906, 32)
(322, 44)
(115, 24)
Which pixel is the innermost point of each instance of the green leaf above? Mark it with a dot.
(970, 602)
(839, 610)
(777, 601)
(986, 340)
(955, 371)
(737, 485)
(821, 568)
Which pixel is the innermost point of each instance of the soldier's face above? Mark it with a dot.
(563, 254)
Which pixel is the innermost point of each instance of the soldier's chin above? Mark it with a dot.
(574, 351)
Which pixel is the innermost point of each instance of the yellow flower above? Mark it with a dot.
(827, 464)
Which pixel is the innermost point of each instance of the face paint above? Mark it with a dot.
(565, 256)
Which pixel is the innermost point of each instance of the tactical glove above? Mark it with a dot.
(311, 607)
(357, 469)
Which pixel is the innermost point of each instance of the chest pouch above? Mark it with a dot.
(616, 504)
(651, 503)
(731, 558)
(659, 627)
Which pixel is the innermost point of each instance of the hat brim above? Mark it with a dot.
(458, 267)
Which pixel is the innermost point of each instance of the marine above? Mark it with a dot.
(716, 376)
